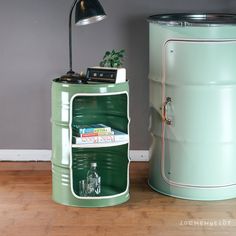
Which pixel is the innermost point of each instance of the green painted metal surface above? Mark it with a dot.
(193, 111)
(112, 166)
(74, 105)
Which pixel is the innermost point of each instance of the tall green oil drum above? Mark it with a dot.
(79, 105)
(193, 105)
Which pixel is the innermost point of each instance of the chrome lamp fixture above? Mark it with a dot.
(86, 12)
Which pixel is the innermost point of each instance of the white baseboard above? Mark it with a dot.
(45, 155)
(139, 155)
(24, 155)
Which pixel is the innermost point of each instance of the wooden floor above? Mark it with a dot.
(26, 209)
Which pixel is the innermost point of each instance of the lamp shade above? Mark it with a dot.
(88, 11)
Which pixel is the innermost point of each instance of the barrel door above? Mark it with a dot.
(199, 113)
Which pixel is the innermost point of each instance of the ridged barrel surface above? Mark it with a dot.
(97, 103)
(193, 107)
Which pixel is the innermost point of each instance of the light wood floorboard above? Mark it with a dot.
(26, 209)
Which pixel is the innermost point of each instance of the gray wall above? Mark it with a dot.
(34, 50)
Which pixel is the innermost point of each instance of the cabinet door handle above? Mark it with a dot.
(165, 109)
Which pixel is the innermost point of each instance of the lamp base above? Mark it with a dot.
(72, 78)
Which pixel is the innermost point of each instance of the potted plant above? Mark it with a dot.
(113, 59)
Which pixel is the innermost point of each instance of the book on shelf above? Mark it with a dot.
(116, 136)
(95, 128)
(96, 134)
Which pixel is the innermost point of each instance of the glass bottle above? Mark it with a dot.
(93, 181)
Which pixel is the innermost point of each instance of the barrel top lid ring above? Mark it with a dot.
(196, 19)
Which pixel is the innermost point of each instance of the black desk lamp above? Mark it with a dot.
(86, 12)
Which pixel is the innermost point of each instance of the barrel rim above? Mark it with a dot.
(193, 19)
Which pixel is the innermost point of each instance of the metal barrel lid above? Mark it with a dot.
(196, 19)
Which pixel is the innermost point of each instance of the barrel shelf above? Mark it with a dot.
(112, 166)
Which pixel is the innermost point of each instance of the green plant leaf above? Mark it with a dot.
(113, 58)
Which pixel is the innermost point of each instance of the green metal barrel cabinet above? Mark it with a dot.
(193, 105)
(79, 105)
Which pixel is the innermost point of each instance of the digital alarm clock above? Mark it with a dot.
(106, 75)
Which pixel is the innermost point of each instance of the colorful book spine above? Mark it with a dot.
(99, 128)
(96, 134)
(116, 137)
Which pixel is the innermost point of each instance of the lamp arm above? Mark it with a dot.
(70, 37)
